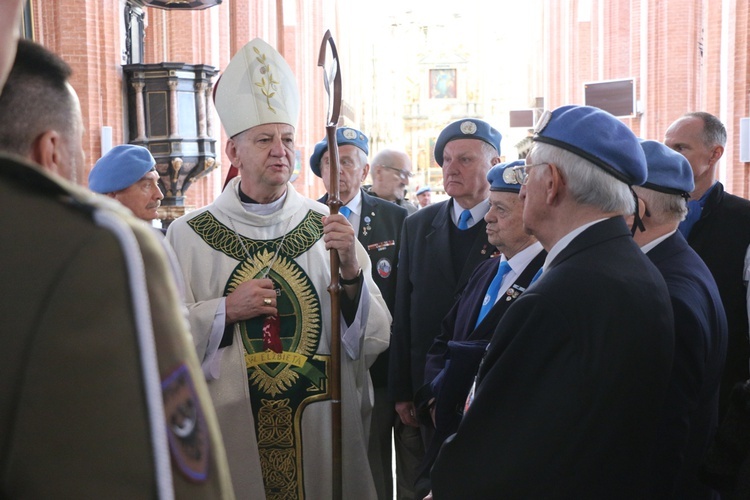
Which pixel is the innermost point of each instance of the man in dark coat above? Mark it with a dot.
(569, 394)
(441, 245)
(692, 404)
(453, 359)
(377, 223)
(717, 227)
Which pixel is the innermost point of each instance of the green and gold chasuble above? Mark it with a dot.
(281, 384)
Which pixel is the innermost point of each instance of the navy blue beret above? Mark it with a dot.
(668, 170)
(423, 189)
(469, 128)
(597, 136)
(344, 136)
(121, 167)
(502, 178)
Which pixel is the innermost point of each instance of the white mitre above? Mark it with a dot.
(257, 87)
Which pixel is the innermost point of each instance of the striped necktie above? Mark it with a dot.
(463, 220)
(491, 297)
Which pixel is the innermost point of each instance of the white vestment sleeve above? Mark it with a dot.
(351, 336)
(211, 362)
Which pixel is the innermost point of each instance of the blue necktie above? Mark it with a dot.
(345, 211)
(463, 219)
(491, 297)
(536, 276)
(694, 213)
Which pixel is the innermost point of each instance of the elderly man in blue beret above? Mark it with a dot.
(453, 359)
(377, 223)
(692, 404)
(127, 173)
(424, 196)
(569, 394)
(441, 245)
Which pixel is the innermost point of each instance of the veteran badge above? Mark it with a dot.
(543, 121)
(509, 176)
(349, 133)
(186, 425)
(468, 128)
(384, 267)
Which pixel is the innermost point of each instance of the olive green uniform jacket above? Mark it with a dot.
(101, 393)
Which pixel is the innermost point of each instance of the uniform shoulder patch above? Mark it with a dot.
(186, 425)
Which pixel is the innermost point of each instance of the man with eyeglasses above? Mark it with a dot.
(377, 224)
(570, 391)
(441, 245)
(391, 171)
(454, 357)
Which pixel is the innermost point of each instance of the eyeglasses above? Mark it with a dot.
(404, 174)
(522, 172)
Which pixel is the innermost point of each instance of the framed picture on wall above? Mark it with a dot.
(442, 84)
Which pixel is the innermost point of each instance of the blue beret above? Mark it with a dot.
(469, 128)
(423, 189)
(597, 136)
(668, 170)
(344, 136)
(121, 167)
(502, 178)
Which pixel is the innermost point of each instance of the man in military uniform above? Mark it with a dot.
(101, 394)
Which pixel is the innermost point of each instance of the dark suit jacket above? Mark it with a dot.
(570, 392)
(449, 380)
(721, 237)
(427, 288)
(458, 324)
(692, 404)
(380, 233)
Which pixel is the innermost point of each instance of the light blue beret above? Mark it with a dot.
(502, 178)
(121, 167)
(668, 170)
(469, 128)
(597, 136)
(423, 189)
(344, 136)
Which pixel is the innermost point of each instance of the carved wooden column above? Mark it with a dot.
(168, 114)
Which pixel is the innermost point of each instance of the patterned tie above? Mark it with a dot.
(491, 297)
(463, 220)
(345, 211)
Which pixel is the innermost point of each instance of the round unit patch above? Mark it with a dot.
(384, 267)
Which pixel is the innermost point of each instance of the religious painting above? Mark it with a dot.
(442, 84)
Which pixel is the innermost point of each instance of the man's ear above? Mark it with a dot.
(231, 150)
(554, 182)
(45, 151)
(716, 154)
(641, 208)
(365, 171)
